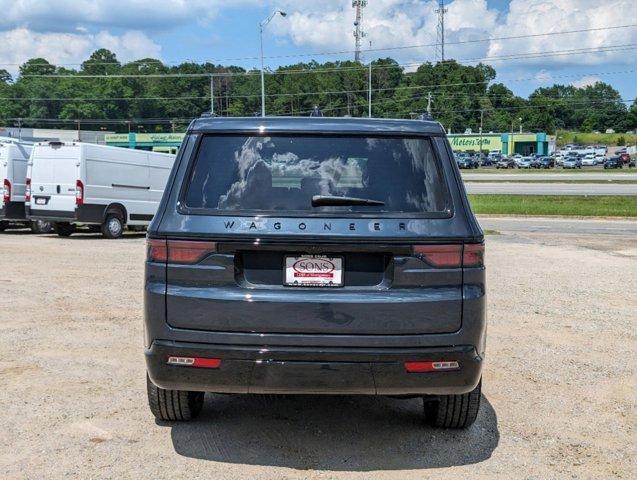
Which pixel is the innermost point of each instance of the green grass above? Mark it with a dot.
(583, 181)
(565, 137)
(567, 205)
(533, 171)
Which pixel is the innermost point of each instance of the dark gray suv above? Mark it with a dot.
(315, 256)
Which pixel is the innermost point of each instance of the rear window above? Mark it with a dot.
(282, 174)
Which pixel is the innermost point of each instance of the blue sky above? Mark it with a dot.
(66, 31)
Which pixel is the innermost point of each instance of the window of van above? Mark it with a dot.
(282, 174)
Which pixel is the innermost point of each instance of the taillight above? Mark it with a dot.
(440, 256)
(79, 193)
(197, 362)
(6, 191)
(473, 255)
(27, 190)
(451, 256)
(179, 251)
(440, 366)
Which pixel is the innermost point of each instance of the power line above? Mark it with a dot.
(317, 93)
(578, 51)
(336, 52)
(189, 119)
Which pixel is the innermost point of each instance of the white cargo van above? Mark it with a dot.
(74, 183)
(14, 157)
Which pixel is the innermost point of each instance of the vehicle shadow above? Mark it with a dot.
(330, 433)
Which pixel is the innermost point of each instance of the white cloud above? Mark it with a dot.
(586, 81)
(145, 15)
(543, 76)
(539, 16)
(328, 25)
(71, 48)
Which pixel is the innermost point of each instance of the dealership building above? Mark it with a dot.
(507, 143)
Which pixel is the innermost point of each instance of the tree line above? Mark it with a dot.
(459, 96)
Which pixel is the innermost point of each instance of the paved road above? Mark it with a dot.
(551, 188)
(559, 225)
(601, 175)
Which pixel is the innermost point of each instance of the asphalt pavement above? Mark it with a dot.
(520, 188)
(559, 225)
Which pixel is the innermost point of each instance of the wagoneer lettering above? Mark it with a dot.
(315, 256)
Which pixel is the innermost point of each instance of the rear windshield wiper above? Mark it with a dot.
(335, 201)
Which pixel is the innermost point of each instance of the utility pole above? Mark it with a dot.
(212, 95)
(369, 88)
(481, 119)
(440, 30)
(429, 103)
(359, 34)
(19, 128)
(262, 25)
(520, 119)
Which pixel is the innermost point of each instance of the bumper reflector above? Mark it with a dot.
(419, 367)
(196, 362)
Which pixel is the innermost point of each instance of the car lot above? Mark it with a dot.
(558, 388)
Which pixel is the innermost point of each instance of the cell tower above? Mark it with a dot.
(359, 34)
(440, 30)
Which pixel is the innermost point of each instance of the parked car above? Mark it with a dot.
(466, 162)
(625, 157)
(546, 162)
(525, 162)
(589, 160)
(74, 183)
(14, 157)
(309, 264)
(505, 163)
(614, 162)
(572, 162)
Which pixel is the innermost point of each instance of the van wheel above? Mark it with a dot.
(41, 226)
(3, 226)
(113, 227)
(64, 229)
(453, 411)
(175, 405)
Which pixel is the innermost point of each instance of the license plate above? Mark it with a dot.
(313, 271)
(40, 201)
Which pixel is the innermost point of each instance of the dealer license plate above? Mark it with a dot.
(313, 271)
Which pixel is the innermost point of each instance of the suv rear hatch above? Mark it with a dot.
(281, 250)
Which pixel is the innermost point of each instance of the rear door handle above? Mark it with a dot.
(58, 189)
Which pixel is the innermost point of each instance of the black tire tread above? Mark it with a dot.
(454, 411)
(173, 405)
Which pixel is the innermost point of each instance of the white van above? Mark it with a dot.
(14, 157)
(105, 188)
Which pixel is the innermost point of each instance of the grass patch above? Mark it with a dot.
(567, 205)
(583, 181)
(490, 232)
(535, 171)
(565, 137)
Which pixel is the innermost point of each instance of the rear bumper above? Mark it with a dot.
(50, 215)
(13, 211)
(313, 370)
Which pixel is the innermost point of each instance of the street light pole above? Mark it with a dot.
(261, 26)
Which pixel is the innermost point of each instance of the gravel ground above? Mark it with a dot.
(559, 381)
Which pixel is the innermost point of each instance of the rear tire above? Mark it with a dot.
(173, 405)
(3, 226)
(113, 226)
(41, 226)
(64, 229)
(453, 411)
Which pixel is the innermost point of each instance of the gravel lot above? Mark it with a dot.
(559, 385)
